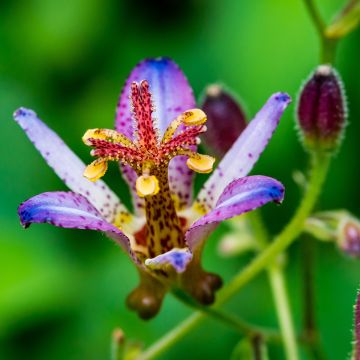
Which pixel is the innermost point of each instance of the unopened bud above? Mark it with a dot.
(339, 226)
(321, 110)
(349, 237)
(225, 119)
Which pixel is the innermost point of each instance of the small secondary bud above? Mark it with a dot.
(349, 237)
(321, 110)
(225, 119)
(339, 226)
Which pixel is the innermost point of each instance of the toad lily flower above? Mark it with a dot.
(165, 234)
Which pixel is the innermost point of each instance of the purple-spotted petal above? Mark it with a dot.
(240, 196)
(69, 210)
(67, 165)
(171, 95)
(177, 258)
(242, 156)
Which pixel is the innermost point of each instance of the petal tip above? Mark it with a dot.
(24, 216)
(23, 112)
(282, 97)
(278, 193)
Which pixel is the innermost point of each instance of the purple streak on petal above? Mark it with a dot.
(67, 165)
(69, 210)
(240, 196)
(242, 156)
(177, 258)
(171, 94)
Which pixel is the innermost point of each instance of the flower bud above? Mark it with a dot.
(321, 110)
(349, 237)
(225, 119)
(339, 226)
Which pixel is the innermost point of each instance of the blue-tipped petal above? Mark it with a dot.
(67, 165)
(240, 196)
(242, 156)
(171, 95)
(177, 258)
(69, 210)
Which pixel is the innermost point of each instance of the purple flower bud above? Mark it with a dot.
(225, 119)
(349, 237)
(321, 109)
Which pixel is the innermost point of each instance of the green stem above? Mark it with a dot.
(328, 46)
(172, 337)
(231, 320)
(328, 50)
(279, 291)
(311, 335)
(320, 166)
(315, 17)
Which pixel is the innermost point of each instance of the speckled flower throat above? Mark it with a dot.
(149, 155)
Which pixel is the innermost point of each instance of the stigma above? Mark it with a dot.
(148, 153)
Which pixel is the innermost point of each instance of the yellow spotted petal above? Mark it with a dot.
(201, 163)
(194, 117)
(147, 185)
(96, 170)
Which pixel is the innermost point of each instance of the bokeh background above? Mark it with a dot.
(62, 291)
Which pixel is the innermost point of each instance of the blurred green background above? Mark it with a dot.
(62, 291)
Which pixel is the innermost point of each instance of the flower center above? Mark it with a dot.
(149, 156)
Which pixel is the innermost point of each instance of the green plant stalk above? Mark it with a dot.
(328, 46)
(310, 335)
(319, 170)
(279, 291)
(231, 320)
(277, 281)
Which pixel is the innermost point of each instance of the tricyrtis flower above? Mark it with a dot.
(155, 142)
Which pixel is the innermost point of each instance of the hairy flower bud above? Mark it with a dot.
(225, 119)
(321, 110)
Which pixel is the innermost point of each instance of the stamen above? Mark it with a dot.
(96, 170)
(201, 163)
(106, 134)
(147, 185)
(194, 117)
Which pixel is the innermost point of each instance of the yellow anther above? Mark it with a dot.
(194, 117)
(201, 163)
(147, 185)
(96, 170)
(190, 117)
(106, 134)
